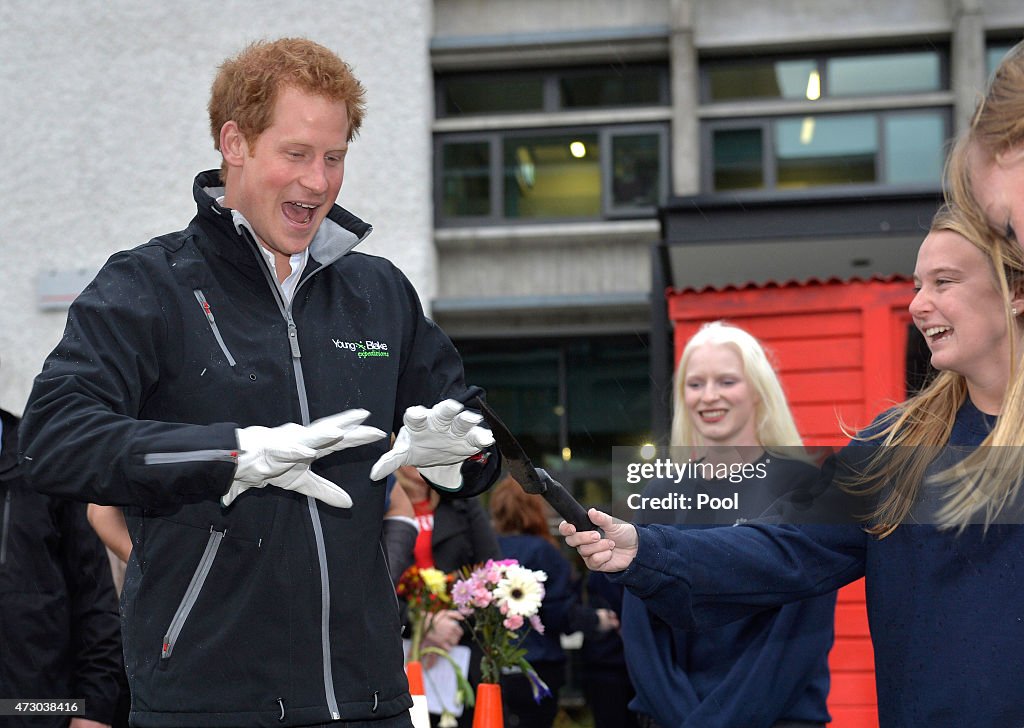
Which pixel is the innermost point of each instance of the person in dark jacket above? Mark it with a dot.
(59, 630)
(769, 669)
(230, 386)
(944, 596)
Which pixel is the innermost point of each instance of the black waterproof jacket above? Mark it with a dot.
(276, 611)
(59, 631)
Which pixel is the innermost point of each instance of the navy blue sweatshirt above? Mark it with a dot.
(752, 672)
(946, 612)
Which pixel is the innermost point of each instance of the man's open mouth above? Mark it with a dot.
(299, 212)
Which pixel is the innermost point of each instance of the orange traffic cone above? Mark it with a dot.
(488, 713)
(419, 713)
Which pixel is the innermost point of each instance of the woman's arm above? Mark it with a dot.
(108, 522)
(710, 577)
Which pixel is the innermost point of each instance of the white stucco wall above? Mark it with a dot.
(103, 125)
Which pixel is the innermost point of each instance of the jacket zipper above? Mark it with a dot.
(201, 297)
(300, 386)
(192, 593)
(5, 526)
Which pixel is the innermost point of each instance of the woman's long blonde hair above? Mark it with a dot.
(996, 127)
(774, 427)
(913, 432)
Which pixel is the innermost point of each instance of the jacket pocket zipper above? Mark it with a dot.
(5, 527)
(201, 297)
(192, 593)
(189, 456)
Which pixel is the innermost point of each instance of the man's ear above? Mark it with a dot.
(232, 144)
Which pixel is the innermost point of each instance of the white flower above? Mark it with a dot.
(520, 591)
(447, 721)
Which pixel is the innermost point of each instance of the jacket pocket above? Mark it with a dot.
(192, 593)
(201, 297)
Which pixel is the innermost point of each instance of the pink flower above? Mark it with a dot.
(462, 594)
(492, 573)
(536, 624)
(482, 597)
(513, 622)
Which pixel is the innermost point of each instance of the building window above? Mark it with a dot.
(824, 121)
(580, 154)
(885, 148)
(474, 94)
(889, 73)
(505, 92)
(816, 77)
(637, 172)
(616, 87)
(467, 179)
(758, 80)
(551, 176)
(583, 173)
(994, 54)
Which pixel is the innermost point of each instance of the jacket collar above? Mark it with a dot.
(340, 232)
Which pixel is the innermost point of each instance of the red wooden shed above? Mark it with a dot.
(840, 347)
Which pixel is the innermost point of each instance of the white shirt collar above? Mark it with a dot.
(298, 264)
(297, 261)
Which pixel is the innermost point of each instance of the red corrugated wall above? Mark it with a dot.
(840, 349)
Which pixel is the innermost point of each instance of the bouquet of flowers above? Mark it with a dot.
(500, 599)
(425, 591)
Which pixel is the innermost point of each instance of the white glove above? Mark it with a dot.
(282, 455)
(435, 441)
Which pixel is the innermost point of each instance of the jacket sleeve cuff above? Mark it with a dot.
(479, 472)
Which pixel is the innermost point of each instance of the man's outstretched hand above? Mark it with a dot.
(435, 441)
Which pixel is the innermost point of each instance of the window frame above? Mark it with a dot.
(497, 138)
(551, 97)
(821, 61)
(495, 172)
(764, 112)
(1001, 43)
(768, 157)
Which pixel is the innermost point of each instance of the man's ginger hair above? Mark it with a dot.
(247, 86)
